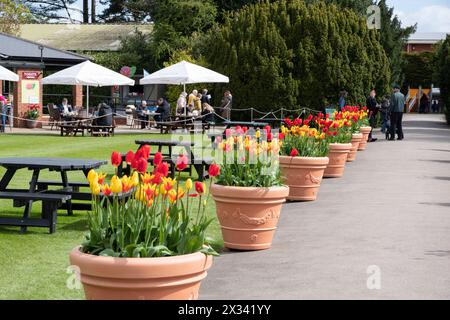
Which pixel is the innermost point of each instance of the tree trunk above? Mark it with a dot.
(85, 11)
(93, 11)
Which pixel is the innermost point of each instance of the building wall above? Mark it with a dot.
(20, 106)
(419, 47)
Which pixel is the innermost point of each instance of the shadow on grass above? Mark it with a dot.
(79, 225)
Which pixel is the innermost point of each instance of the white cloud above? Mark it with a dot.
(433, 18)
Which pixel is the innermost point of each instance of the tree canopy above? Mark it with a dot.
(12, 14)
(442, 73)
(290, 54)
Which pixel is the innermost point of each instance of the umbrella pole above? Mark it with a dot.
(87, 100)
(185, 109)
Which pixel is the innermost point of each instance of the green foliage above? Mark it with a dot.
(127, 10)
(418, 69)
(248, 160)
(442, 73)
(12, 14)
(287, 53)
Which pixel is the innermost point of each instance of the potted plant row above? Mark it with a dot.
(249, 191)
(152, 245)
(303, 158)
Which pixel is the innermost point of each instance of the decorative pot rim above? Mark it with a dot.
(306, 160)
(340, 145)
(357, 135)
(250, 189)
(140, 267)
(366, 128)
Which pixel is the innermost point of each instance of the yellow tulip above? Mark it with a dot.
(188, 184)
(95, 189)
(135, 178)
(258, 134)
(92, 175)
(116, 184)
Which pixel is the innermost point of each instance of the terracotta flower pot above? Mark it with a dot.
(303, 176)
(356, 139)
(31, 124)
(365, 132)
(165, 278)
(248, 216)
(338, 157)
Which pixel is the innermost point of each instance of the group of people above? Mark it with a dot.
(199, 104)
(103, 113)
(391, 109)
(161, 112)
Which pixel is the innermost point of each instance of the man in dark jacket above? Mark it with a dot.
(371, 104)
(163, 110)
(397, 106)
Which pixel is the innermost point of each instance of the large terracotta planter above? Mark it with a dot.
(31, 124)
(303, 176)
(365, 132)
(338, 157)
(165, 278)
(356, 139)
(248, 216)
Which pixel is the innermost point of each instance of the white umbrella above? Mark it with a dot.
(89, 74)
(183, 73)
(7, 75)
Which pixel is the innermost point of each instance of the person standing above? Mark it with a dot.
(191, 99)
(342, 99)
(424, 103)
(385, 112)
(226, 105)
(396, 109)
(371, 104)
(206, 97)
(182, 104)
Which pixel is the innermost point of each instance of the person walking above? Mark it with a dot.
(226, 105)
(396, 110)
(342, 99)
(371, 104)
(424, 104)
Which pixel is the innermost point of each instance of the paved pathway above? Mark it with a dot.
(391, 209)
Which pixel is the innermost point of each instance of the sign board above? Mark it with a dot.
(30, 75)
(31, 91)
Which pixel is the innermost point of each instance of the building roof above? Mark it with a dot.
(427, 37)
(82, 37)
(16, 50)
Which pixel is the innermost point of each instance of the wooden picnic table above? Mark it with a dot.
(38, 190)
(199, 165)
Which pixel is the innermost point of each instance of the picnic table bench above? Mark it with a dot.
(38, 190)
(200, 165)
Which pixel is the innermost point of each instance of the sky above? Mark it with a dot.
(430, 15)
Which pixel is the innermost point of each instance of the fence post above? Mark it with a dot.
(282, 113)
(251, 114)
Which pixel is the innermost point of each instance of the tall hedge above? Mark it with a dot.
(442, 74)
(291, 54)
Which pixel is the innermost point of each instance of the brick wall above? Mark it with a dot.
(20, 107)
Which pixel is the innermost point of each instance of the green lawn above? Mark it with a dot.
(34, 265)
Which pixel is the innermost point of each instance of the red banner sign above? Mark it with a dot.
(30, 75)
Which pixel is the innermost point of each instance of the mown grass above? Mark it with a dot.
(34, 265)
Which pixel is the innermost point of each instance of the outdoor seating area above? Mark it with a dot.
(245, 153)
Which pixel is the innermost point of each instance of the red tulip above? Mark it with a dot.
(199, 187)
(129, 157)
(157, 159)
(280, 136)
(214, 170)
(116, 159)
(142, 165)
(294, 152)
(269, 136)
(162, 168)
(145, 151)
(157, 179)
(182, 162)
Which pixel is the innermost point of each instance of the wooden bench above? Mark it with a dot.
(50, 205)
(43, 185)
